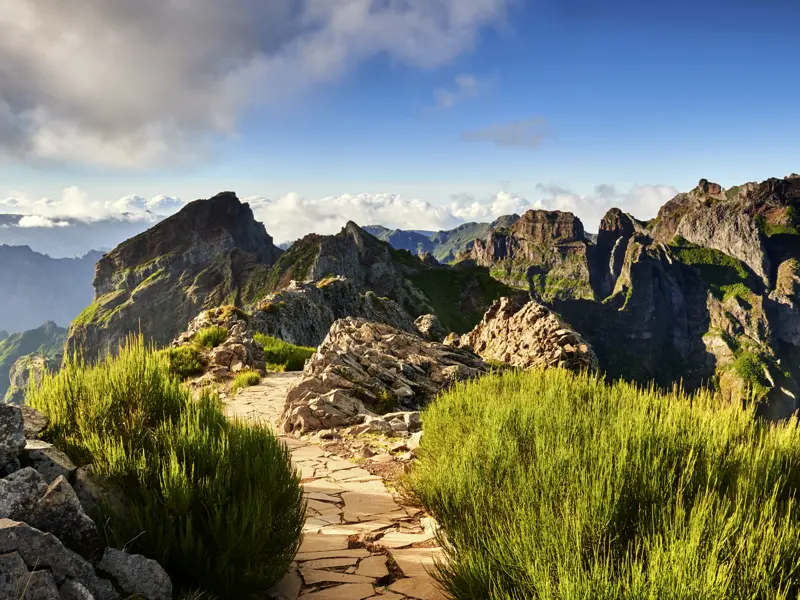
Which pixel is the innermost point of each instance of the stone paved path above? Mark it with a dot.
(359, 540)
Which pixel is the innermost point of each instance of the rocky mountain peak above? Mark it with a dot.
(709, 188)
(210, 253)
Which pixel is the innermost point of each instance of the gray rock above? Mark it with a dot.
(101, 589)
(136, 574)
(20, 493)
(431, 328)
(40, 586)
(33, 421)
(72, 590)
(97, 495)
(38, 549)
(60, 512)
(47, 460)
(12, 433)
(13, 575)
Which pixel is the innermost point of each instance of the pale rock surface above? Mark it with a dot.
(363, 368)
(528, 336)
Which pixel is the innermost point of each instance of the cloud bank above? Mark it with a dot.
(135, 83)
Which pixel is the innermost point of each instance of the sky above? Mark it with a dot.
(416, 114)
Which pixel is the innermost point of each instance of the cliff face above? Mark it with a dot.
(543, 251)
(706, 294)
(207, 255)
(47, 340)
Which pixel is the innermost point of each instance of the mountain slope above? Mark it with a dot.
(36, 288)
(204, 256)
(47, 340)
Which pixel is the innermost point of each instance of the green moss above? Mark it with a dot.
(223, 313)
(750, 366)
(87, 315)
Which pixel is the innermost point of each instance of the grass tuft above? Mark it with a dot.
(216, 502)
(555, 486)
(245, 379)
(210, 337)
(184, 361)
(283, 356)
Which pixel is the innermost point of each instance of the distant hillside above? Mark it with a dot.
(35, 288)
(47, 340)
(445, 246)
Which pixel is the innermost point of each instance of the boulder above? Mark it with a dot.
(43, 551)
(33, 421)
(48, 460)
(136, 574)
(12, 433)
(20, 493)
(365, 369)
(529, 336)
(431, 328)
(97, 495)
(72, 590)
(13, 575)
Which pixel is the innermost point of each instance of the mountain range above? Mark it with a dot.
(704, 294)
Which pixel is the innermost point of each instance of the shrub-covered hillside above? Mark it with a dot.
(554, 486)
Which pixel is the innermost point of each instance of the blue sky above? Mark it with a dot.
(630, 95)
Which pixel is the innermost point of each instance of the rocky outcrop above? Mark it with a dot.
(431, 328)
(616, 230)
(46, 341)
(29, 369)
(212, 252)
(544, 251)
(236, 353)
(303, 313)
(363, 369)
(528, 336)
(49, 546)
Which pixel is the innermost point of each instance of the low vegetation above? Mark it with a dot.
(216, 502)
(210, 337)
(724, 274)
(283, 356)
(245, 379)
(555, 486)
(184, 361)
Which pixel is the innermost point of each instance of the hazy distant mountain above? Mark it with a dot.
(35, 288)
(444, 245)
(68, 237)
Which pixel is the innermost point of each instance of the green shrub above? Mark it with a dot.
(210, 337)
(555, 486)
(217, 502)
(282, 356)
(246, 379)
(183, 361)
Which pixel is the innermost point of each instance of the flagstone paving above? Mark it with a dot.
(359, 541)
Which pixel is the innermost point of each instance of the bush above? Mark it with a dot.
(210, 337)
(282, 356)
(217, 502)
(183, 361)
(246, 379)
(555, 486)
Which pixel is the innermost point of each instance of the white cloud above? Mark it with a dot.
(124, 83)
(293, 216)
(465, 86)
(75, 203)
(37, 221)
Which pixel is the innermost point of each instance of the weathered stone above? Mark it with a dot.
(529, 336)
(60, 512)
(12, 433)
(20, 493)
(38, 549)
(33, 421)
(97, 495)
(72, 590)
(393, 360)
(136, 574)
(13, 576)
(431, 328)
(40, 586)
(48, 460)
